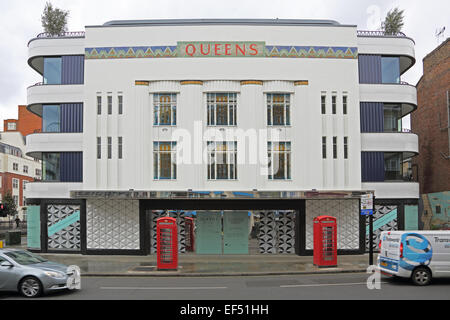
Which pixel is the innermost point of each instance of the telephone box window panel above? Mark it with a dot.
(347, 215)
(112, 224)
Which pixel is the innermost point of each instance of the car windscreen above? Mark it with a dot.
(24, 257)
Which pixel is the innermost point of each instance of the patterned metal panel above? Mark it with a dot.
(112, 224)
(372, 116)
(384, 219)
(369, 68)
(267, 236)
(71, 117)
(372, 166)
(276, 232)
(72, 70)
(346, 213)
(63, 230)
(286, 232)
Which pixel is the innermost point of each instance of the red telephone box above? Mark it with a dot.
(190, 235)
(325, 241)
(167, 243)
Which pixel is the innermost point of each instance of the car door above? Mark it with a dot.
(4, 274)
(9, 276)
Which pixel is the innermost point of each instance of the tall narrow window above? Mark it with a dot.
(109, 104)
(164, 160)
(222, 160)
(334, 147)
(99, 147)
(323, 103)
(99, 105)
(221, 109)
(52, 70)
(120, 103)
(51, 118)
(109, 147)
(344, 104)
(165, 109)
(279, 154)
(278, 109)
(345, 147)
(119, 147)
(324, 147)
(333, 104)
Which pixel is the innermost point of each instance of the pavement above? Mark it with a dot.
(194, 265)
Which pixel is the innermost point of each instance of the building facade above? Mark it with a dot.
(431, 122)
(26, 123)
(247, 129)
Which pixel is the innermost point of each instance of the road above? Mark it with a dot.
(344, 286)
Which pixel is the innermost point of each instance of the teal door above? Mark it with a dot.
(235, 232)
(208, 237)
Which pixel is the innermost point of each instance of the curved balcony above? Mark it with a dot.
(39, 94)
(44, 45)
(37, 143)
(402, 93)
(378, 42)
(408, 143)
(393, 190)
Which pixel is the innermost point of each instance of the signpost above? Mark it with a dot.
(367, 210)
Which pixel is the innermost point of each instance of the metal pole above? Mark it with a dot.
(370, 239)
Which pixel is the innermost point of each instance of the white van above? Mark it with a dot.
(419, 255)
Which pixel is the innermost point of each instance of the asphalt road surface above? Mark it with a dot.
(344, 286)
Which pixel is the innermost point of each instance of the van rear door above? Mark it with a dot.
(390, 251)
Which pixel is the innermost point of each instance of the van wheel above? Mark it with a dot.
(30, 287)
(421, 276)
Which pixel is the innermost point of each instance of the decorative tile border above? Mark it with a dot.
(222, 50)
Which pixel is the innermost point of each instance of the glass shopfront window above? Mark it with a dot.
(51, 167)
(50, 118)
(390, 69)
(52, 70)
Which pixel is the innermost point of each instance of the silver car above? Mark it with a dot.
(30, 274)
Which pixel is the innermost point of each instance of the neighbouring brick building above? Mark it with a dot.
(431, 122)
(26, 123)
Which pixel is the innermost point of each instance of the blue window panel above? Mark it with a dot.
(52, 70)
(372, 116)
(72, 117)
(369, 68)
(71, 166)
(72, 70)
(51, 118)
(390, 69)
(372, 166)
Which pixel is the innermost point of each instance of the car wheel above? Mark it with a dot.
(30, 287)
(421, 276)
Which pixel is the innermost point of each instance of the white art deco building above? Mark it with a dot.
(247, 129)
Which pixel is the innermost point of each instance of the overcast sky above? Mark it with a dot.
(20, 21)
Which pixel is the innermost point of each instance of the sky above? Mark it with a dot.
(20, 21)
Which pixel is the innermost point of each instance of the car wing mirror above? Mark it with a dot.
(6, 264)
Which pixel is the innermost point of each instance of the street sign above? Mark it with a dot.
(367, 204)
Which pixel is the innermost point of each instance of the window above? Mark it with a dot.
(278, 109)
(15, 183)
(279, 154)
(344, 104)
(25, 169)
(120, 103)
(323, 103)
(222, 109)
(99, 105)
(390, 70)
(38, 172)
(109, 104)
(334, 147)
(345, 147)
(24, 183)
(52, 70)
(333, 104)
(109, 147)
(393, 166)
(324, 147)
(119, 142)
(392, 118)
(164, 160)
(15, 166)
(50, 118)
(222, 159)
(16, 200)
(165, 109)
(50, 167)
(99, 147)
(12, 126)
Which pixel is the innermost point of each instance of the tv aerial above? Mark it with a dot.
(439, 34)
